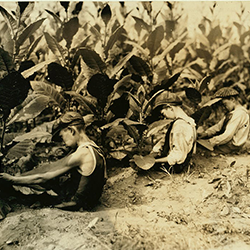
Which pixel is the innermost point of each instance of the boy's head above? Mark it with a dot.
(68, 128)
(167, 102)
(229, 97)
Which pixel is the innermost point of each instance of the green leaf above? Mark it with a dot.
(140, 66)
(221, 49)
(239, 27)
(154, 40)
(147, 6)
(203, 39)
(193, 95)
(9, 137)
(65, 5)
(222, 77)
(214, 34)
(236, 51)
(145, 107)
(169, 82)
(170, 27)
(41, 133)
(33, 46)
(27, 32)
(32, 106)
(83, 43)
(122, 83)
(243, 36)
(95, 32)
(21, 149)
(60, 76)
(144, 162)
(29, 72)
(204, 83)
(77, 8)
(172, 46)
(121, 64)
(176, 49)
(119, 88)
(14, 89)
(46, 89)
(141, 23)
(202, 53)
(106, 14)
(70, 28)
(55, 47)
(91, 59)
(201, 115)
(113, 39)
(132, 131)
(134, 103)
(83, 101)
(27, 11)
(56, 17)
(6, 63)
(135, 45)
(9, 20)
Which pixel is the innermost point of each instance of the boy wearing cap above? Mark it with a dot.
(230, 133)
(177, 142)
(87, 161)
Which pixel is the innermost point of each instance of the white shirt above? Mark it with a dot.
(236, 130)
(181, 140)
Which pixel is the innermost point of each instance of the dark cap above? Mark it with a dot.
(69, 118)
(226, 92)
(167, 97)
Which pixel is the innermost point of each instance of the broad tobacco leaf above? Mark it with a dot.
(140, 66)
(55, 47)
(91, 59)
(106, 14)
(154, 40)
(31, 108)
(49, 91)
(144, 162)
(59, 75)
(113, 39)
(214, 34)
(27, 32)
(21, 149)
(41, 133)
(13, 90)
(10, 20)
(141, 23)
(6, 63)
(70, 28)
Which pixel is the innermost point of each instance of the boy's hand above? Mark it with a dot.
(6, 177)
(202, 135)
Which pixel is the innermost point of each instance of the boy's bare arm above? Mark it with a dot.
(57, 168)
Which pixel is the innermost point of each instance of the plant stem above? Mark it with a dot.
(105, 35)
(2, 135)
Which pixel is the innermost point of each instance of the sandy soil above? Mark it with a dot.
(207, 207)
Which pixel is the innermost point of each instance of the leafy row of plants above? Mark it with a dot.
(111, 72)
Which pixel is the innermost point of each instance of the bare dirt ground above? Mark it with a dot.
(207, 207)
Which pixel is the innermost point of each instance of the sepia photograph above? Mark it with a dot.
(124, 125)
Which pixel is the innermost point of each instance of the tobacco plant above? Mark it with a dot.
(110, 68)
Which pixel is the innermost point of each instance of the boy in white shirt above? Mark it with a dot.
(176, 142)
(230, 133)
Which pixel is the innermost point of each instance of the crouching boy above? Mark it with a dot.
(87, 161)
